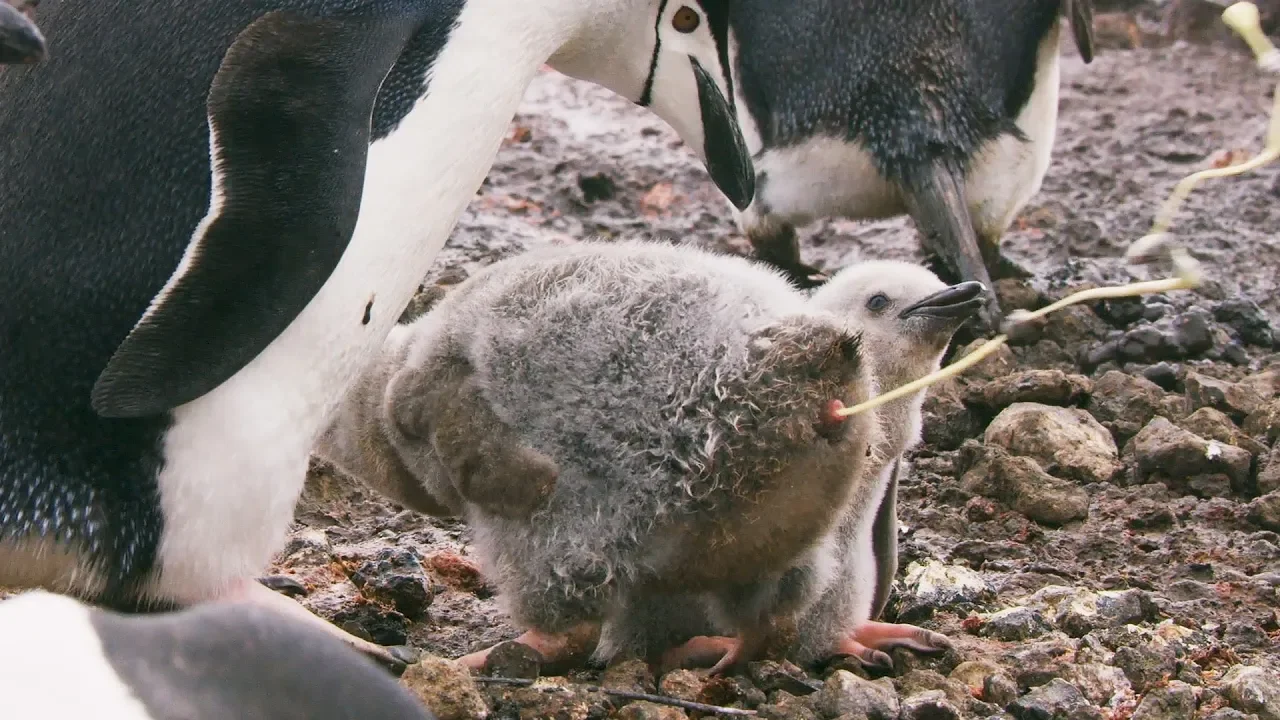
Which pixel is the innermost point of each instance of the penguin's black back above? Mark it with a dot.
(913, 80)
(104, 175)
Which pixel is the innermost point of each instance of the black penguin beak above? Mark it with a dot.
(956, 303)
(728, 161)
(20, 40)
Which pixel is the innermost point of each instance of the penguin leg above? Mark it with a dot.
(870, 640)
(935, 200)
(555, 648)
(394, 659)
(999, 265)
(778, 245)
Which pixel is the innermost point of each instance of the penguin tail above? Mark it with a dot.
(935, 200)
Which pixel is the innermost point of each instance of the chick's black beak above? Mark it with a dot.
(957, 302)
(20, 40)
(728, 161)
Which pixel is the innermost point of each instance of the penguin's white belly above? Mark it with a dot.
(821, 177)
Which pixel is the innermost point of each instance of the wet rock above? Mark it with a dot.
(1264, 422)
(1175, 701)
(682, 684)
(1213, 424)
(1265, 511)
(948, 420)
(1099, 683)
(1234, 399)
(446, 688)
(1017, 623)
(1124, 403)
(1021, 484)
(1247, 319)
(1254, 690)
(1048, 387)
(630, 676)
(999, 690)
(374, 622)
(929, 705)
(845, 692)
(643, 710)
(931, 586)
(1187, 463)
(1067, 442)
(1055, 700)
(395, 576)
(770, 676)
(1087, 611)
(513, 660)
(1146, 665)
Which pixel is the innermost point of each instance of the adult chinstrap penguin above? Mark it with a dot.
(20, 38)
(221, 212)
(942, 109)
(64, 659)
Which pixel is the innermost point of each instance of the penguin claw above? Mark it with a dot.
(284, 585)
(886, 636)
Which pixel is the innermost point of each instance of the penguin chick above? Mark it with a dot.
(62, 658)
(20, 39)
(682, 397)
(907, 317)
(942, 109)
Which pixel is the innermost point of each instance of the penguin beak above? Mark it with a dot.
(20, 40)
(950, 306)
(728, 161)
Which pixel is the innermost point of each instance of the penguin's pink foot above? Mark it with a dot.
(394, 658)
(871, 640)
(555, 649)
(723, 654)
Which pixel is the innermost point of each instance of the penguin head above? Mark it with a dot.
(906, 314)
(672, 56)
(20, 40)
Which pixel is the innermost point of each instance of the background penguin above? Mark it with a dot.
(644, 372)
(222, 210)
(943, 109)
(20, 39)
(907, 317)
(62, 659)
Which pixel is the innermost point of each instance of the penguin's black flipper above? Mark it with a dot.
(884, 542)
(935, 200)
(20, 40)
(289, 114)
(1080, 13)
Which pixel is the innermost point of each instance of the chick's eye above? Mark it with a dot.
(877, 302)
(686, 19)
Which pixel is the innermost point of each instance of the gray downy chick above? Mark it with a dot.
(942, 109)
(907, 317)
(683, 400)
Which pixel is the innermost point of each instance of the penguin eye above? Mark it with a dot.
(686, 19)
(878, 302)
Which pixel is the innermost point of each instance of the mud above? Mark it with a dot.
(1192, 566)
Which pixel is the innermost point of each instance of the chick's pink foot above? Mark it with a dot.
(871, 641)
(554, 648)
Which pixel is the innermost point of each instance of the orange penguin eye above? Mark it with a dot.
(686, 19)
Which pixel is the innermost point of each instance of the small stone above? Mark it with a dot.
(1213, 424)
(996, 365)
(596, 187)
(1048, 387)
(1067, 442)
(1254, 690)
(1192, 332)
(1175, 701)
(629, 676)
(643, 710)
(1017, 623)
(446, 688)
(1229, 713)
(948, 420)
(1234, 399)
(1183, 461)
(514, 660)
(1021, 484)
(308, 547)
(395, 576)
(845, 692)
(929, 705)
(682, 684)
(999, 690)
(1125, 403)
(915, 682)
(1087, 611)
(770, 676)
(1101, 684)
(974, 673)
(379, 624)
(1162, 374)
(1247, 319)
(785, 706)
(1264, 422)
(1146, 665)
(1269, 476)
(1055, 700)
(931, 586)
(1265, 511)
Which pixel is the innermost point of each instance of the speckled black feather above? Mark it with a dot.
(105, 176)
(916, 81)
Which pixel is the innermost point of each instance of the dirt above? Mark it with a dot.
(1200, 557)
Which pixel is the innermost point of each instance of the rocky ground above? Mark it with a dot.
(1094, 516)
